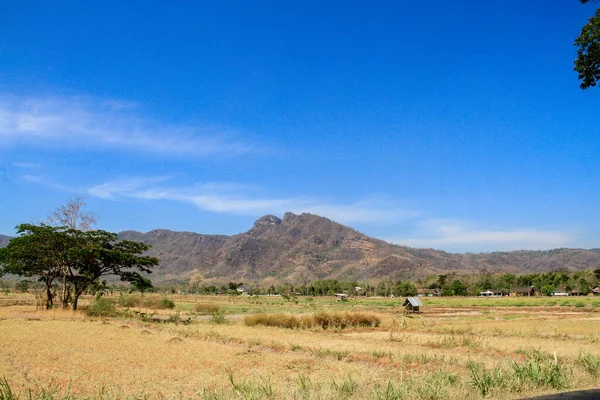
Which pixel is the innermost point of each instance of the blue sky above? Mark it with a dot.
(453, 125)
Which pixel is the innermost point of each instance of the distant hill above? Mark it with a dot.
(307, 247)
(4, 240)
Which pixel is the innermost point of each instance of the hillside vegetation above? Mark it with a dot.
(306, 247)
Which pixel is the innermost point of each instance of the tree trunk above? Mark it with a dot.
(48, 297)
(65, 293)
(75, 299)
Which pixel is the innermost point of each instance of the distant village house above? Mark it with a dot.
(494, 293)
(560, 292)
(522, 291)
(429, 292)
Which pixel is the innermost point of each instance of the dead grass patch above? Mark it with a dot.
(325, 320)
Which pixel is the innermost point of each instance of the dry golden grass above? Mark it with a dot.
(430, 356)
(325, 320)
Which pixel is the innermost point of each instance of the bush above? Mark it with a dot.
(280, 320)
(154, 303)
(206, 309)
(102, 308)
(218, 318)
(322, 319)
(350, 319)
(128, 301)
(167, 303)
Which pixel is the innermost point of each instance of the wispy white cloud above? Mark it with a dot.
(463, 236)
(26, 165)
(44, 181)
(119, 188)
(84, 122)
(238, 199)
(244, 199)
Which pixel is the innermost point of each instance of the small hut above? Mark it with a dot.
(412, 305)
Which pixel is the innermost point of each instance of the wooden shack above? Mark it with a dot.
(412, 305)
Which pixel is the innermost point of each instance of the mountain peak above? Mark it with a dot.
(289, 216)
(267, 220)
(304, 247)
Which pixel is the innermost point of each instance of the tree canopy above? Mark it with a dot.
(74, 257)
(587, 63)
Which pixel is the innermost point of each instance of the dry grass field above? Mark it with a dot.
(457, 349)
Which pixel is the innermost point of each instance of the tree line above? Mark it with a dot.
(449, 285)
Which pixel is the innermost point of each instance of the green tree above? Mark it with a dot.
(456, 288)
(78, 258)
(407, 288)
(98, 253)
(38, 251)
(442, 280)
(597, 273)
(142, 285)
(547, 290)
(508, 280)
(587, 63)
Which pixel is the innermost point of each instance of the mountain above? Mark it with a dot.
(4, 240)
(307, 247)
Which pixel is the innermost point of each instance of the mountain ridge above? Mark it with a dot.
(306, 247)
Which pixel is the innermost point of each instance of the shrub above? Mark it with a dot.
(579, 304)
(128, 301)
(363, 319)
(350, 319)
(322, 319)
(218, 317)
(280, 320)
(167, 303)
(102, 308)
(206, 309)
(156, 303)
